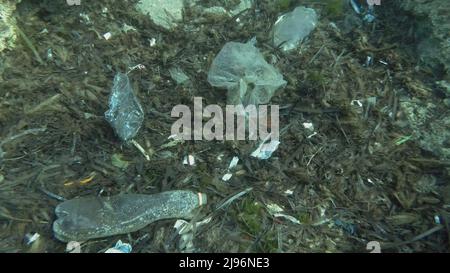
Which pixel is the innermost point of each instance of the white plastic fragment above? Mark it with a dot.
(152, 42)
(227, 176)
(356, 102)
(120, 248)
(189, 160)
(308, 125)
(184, 227)
(311, 135)
(265, 150)
(73, 247)
(233, 162)
(107, 35)
(126, 28)
(31, 238)
(175, 141)
(274, 208)
(437, 220)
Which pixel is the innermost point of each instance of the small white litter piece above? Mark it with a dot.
(175, 140)
(356, 103)
(120, 248)
(233, 162)
(308, 125)
(73, 247)
(227, 177)
(152, 42)
(31, 238)
(437, 219)
(265, 150)
(311, 135)
(276, 210)
(107, 35)
(184, 227)
(189, 160)
(232, 165)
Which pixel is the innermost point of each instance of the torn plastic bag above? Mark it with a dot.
(242, 70)
(291, 28)
(86, 218)
(125, 113)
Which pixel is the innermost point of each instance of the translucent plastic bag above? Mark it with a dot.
(96, 217)
(292, 27)
(242, 70)
(125, 113)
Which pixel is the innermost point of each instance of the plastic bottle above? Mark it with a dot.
(95, 217)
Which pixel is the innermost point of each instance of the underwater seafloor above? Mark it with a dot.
(362, 176)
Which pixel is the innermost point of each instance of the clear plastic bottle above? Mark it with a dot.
(86, 218)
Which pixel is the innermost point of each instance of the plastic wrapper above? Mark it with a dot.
(292, 27)
(125, 113)
(242, 70)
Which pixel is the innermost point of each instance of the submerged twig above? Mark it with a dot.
(30, 45)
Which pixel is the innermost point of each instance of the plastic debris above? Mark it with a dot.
(152, 42)
(242, 70)
(73, 247)
(369, 61)
(437, 220)
(125, 113)
(265, 150)
(30, 238)
(175, 141)
(276, 211)
(107, 35)
(87, 218)
(186, 232)
(120, 248)
(308, 125)
(274, 208)
(178, 75)
(184, 227)
(164, 13)
(227, 176)
(233, 164)
(189, 160)
(367, 14)
(293, 27)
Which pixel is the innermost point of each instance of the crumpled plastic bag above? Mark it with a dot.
(125, 113)
(291, 28)
(242, 70)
